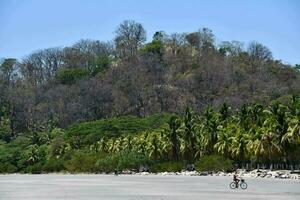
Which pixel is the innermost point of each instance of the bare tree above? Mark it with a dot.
(89, 55)
(259, 53)
(42, 65)
(130, 36)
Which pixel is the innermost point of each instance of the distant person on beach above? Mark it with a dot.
(235, 178)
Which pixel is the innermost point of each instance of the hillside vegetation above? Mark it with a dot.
(254, 136)
(88, 132)
(175, 99)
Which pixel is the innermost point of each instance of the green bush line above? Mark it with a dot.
(254, 136)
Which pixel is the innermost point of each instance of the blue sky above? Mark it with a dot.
(29, 25)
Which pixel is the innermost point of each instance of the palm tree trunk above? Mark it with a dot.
(271, 166)
(270, 162)
(175, 152)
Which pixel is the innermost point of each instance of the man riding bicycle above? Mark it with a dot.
(238, 181)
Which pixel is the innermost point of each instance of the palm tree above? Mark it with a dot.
(113, 145)
(293, 133)
(294, 105)
(256, 113)
(209, 130)
(270, 145)
(244, 117)
(173, 136)
(224, 142)
(165, 145)
(189, 131)
(225, 113)
(153, 147)
(102, 145)
(119, 146)
(277, 118)
(250, 115)
(140, 143)
(94, 147)
(276, 126)
(240, 141)
(255, 145)
(127, 142)
(292, 138)
(32, 154)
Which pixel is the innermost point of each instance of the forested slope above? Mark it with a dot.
(58, 90)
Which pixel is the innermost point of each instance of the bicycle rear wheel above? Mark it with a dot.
(232, 185)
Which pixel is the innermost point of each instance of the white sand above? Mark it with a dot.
(132, 187)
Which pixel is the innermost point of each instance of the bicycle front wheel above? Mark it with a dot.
(244, 185)
(232, 185)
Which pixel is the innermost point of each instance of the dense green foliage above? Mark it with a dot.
(170, 166)
(214, 163)
(255, 135)
(82, 134)
(118, 126)
(124, 160)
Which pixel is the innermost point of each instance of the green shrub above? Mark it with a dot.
(9, 157)
(32, 159)
(81, 162)
(167, 167)
(86, 133)
(214, 163)
(127, 160)
(5, 131)
(132, 160)
(54, 165)
(20, 142)
(7, 168)
(57, 132)
(107, 164)
(154, 47)
(36, 168)
(100, 64)
(58, 147)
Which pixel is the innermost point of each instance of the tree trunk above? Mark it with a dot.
(270, 160)
(271, 166)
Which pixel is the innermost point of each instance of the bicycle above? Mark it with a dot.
(241, 183)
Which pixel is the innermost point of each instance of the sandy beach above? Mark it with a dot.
(135, 187)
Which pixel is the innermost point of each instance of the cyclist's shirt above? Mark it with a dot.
(235, 177)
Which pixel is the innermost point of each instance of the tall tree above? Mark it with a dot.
(130, 36)
(173, 134)
(189, 135)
